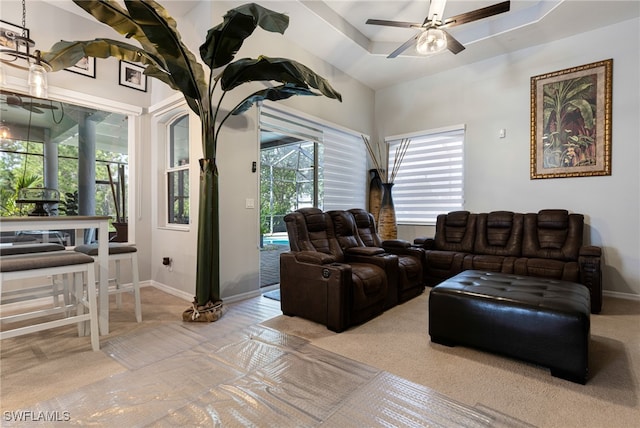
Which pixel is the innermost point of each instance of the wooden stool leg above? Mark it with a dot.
(93, 309)
(55, 291)
(78, 294)
(136, 286)
(117, 280)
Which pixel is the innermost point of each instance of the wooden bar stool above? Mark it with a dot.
(25, 266)
(117, 253)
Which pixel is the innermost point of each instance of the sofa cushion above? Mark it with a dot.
(344, 227)
(366, 228)
(499, 233)
(455, 231)
(489, 263)
(553, 234)
(546, 268)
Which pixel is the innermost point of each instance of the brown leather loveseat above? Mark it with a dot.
(547, 244)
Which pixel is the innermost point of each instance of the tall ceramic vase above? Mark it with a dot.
(387, 227)
(375, 194)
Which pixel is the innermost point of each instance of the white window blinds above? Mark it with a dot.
(345, 170)
(430, 179)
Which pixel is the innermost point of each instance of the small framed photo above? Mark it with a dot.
(132, 75)
(8, 33)
(86, 66)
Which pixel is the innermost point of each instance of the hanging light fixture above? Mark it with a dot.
(431, 41)
(5, 132)
(19, 56)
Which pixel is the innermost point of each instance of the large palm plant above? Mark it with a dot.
(166, 58)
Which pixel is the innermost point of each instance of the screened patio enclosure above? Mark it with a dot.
(290, 178)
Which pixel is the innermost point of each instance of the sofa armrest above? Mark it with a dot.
(426, 243)
(591, 250)
(315, 291)
(401, 247)
(314, 257)
(395, 243)
(363, 251)
(590, 266)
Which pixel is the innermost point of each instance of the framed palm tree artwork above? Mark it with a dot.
(571, 122)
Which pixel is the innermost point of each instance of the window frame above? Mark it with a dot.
(184, 168)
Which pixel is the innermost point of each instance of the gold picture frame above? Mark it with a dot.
(571, 122)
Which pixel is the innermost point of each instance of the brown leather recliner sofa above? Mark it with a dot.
(321, 282)
(546, 244)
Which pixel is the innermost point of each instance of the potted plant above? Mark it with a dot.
(169, 60)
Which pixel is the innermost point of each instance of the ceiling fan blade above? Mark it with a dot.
(453, 45)
(42, 105)
(400, 24)
(477, 14)
(32, 108)
(406, 45)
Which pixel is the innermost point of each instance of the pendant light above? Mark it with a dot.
(18, 54)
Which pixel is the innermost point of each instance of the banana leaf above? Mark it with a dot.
(279, 69)
(111, 13)
(226, 38)
(276, 93)
(161, 30)
(64, 54)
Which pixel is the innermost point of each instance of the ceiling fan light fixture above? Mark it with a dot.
(431, 41)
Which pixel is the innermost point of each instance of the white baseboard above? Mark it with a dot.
(618, 295)
(189, 297)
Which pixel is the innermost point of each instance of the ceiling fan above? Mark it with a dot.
(16, 101)
(433, 37)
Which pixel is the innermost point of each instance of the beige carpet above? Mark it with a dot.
(398, 342)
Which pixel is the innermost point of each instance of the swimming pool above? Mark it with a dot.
(275, 240)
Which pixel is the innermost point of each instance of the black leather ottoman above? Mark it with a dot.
(539, 320)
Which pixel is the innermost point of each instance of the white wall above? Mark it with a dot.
(495, 94)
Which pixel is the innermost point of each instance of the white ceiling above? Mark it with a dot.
(335, 30)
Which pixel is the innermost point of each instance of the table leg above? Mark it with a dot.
(103, 262)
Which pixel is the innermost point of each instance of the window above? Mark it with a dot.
(67, 147)
(327, 166)
(178, 171)
(430, 179)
